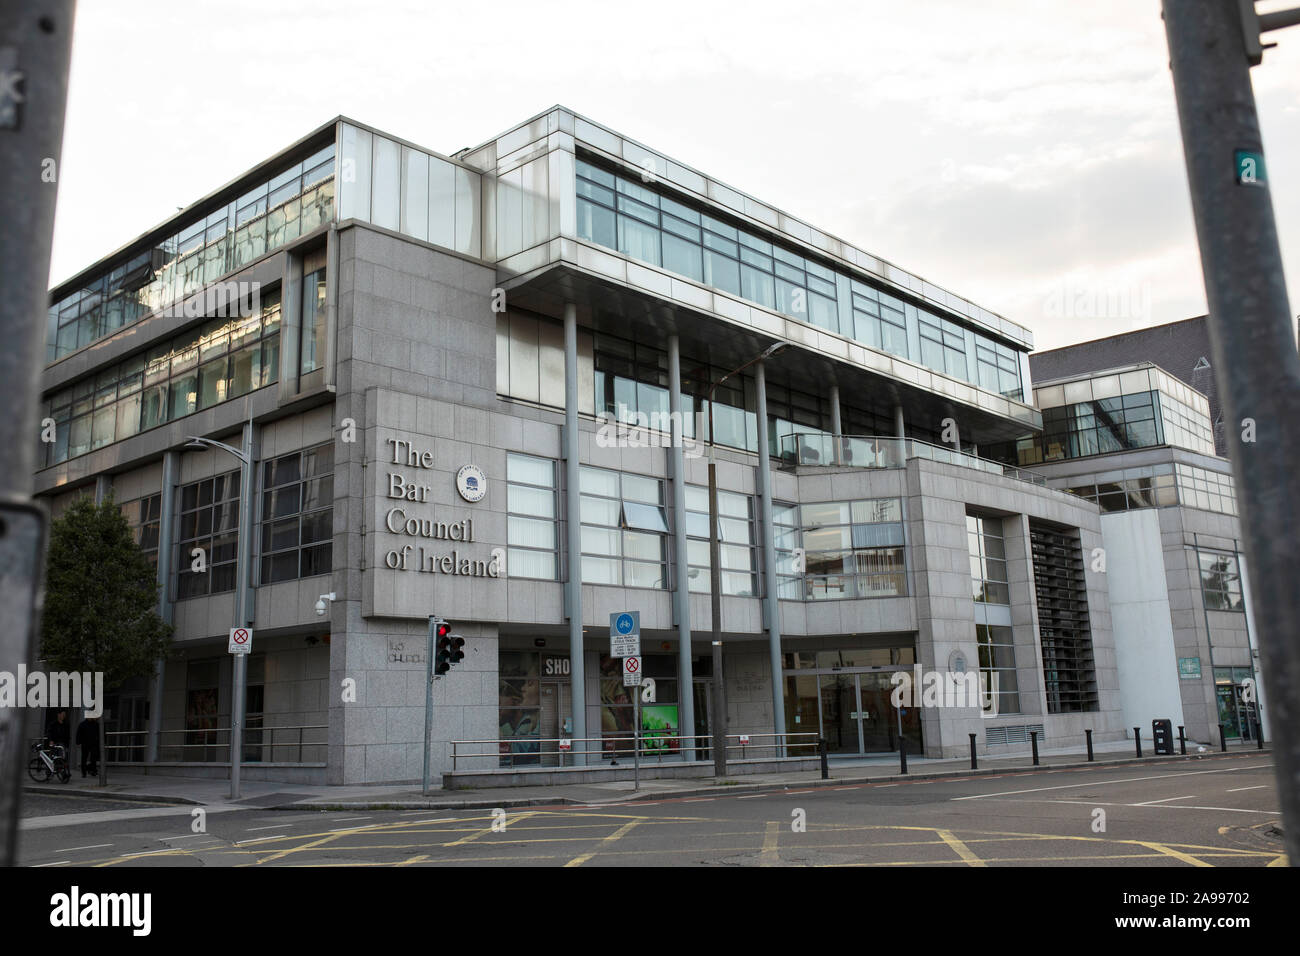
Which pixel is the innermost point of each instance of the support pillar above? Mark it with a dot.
(573, 533)
(771, 606)
(681, 561)
(166, 553)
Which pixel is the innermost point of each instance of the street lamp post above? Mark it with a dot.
(715, 574)
(242, 575)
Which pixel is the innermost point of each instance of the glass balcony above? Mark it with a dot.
(868, 451)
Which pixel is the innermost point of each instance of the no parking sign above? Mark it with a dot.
(241, 640)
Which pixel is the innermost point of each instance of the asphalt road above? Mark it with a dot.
(1217, 811)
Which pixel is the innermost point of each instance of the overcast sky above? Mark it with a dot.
(1025, 155)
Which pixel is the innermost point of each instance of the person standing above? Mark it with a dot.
(88, 744)
(57, 730)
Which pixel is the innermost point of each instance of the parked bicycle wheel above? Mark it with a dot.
(37, 770)
(63, 770)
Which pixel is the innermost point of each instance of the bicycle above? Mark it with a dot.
(51, 761)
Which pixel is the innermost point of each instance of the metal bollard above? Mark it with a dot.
(821, 751)
(974, 765)
(1137, 739)
(1033, 742)
(1259, 736)
(1223, 740)
(1182, 740)
(902, 754)
(1088, 736)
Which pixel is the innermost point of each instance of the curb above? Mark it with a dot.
(121, 796)
(434, 803)
(738, 789)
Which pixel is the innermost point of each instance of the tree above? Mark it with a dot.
(101, 601)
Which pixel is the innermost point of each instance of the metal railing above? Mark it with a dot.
(551, 752)
(871, 451)
(256, 740)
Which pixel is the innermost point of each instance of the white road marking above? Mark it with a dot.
(74, 849)
(1094, 803)
(274, 826)
(1105, 783)
(365, 816)
(752, 796)
(58, 863)
(258, 840)
(1262, 786)
(1151, 803)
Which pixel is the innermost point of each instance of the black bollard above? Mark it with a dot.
(1088, 735)
(1259, 736)
(1223, 740)
(821, 750)
(1182, 740)
(1033, 742)
(1137, 739)
(974, 765)
(902, 754)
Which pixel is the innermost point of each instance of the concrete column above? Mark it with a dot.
(166, 551)
(898, 422)
(103, 486)
(681, 563)
(573, 528)
(772, 609)
(837, 427)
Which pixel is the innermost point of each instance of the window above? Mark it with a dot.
(1220, 581)
(998, 685)
(530, 523)
(988, 560)
(209, 536)
(291, 204)
(298, 515)
(852, 549)
(312, 354)
(224, 359)
(736, 555)
(624, 529)
(143, 515)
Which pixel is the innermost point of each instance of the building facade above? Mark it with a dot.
(483, 387)
(1140, 443)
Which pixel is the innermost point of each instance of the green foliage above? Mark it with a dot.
(101, 597)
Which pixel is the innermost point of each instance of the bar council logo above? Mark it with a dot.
(471, 484)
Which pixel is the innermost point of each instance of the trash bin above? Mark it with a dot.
(1162, 736)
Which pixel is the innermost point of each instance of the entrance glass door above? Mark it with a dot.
(852, 711)
(840, 709)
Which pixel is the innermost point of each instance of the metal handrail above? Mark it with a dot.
(270, 744)
(877, 451)
(744, 743)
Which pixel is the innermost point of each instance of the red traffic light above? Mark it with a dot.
(443, 629)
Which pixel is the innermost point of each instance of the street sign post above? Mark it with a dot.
(625, 634)
(632, 678)
(241, 640)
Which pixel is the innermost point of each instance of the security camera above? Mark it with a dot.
(320, 603)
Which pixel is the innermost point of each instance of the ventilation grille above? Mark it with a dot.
(1012, 735)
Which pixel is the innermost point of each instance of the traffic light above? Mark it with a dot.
(450, 648)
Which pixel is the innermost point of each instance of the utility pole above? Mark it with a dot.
(35, 50)
(1212, 46)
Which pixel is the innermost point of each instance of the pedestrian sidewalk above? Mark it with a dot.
(125, 785)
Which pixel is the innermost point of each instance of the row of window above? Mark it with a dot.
(1161, 486)
(221, 360)
(988, 560)
(647, 225)
(296, 526)
(824, 550)
(287, 206)
(1096, 427)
